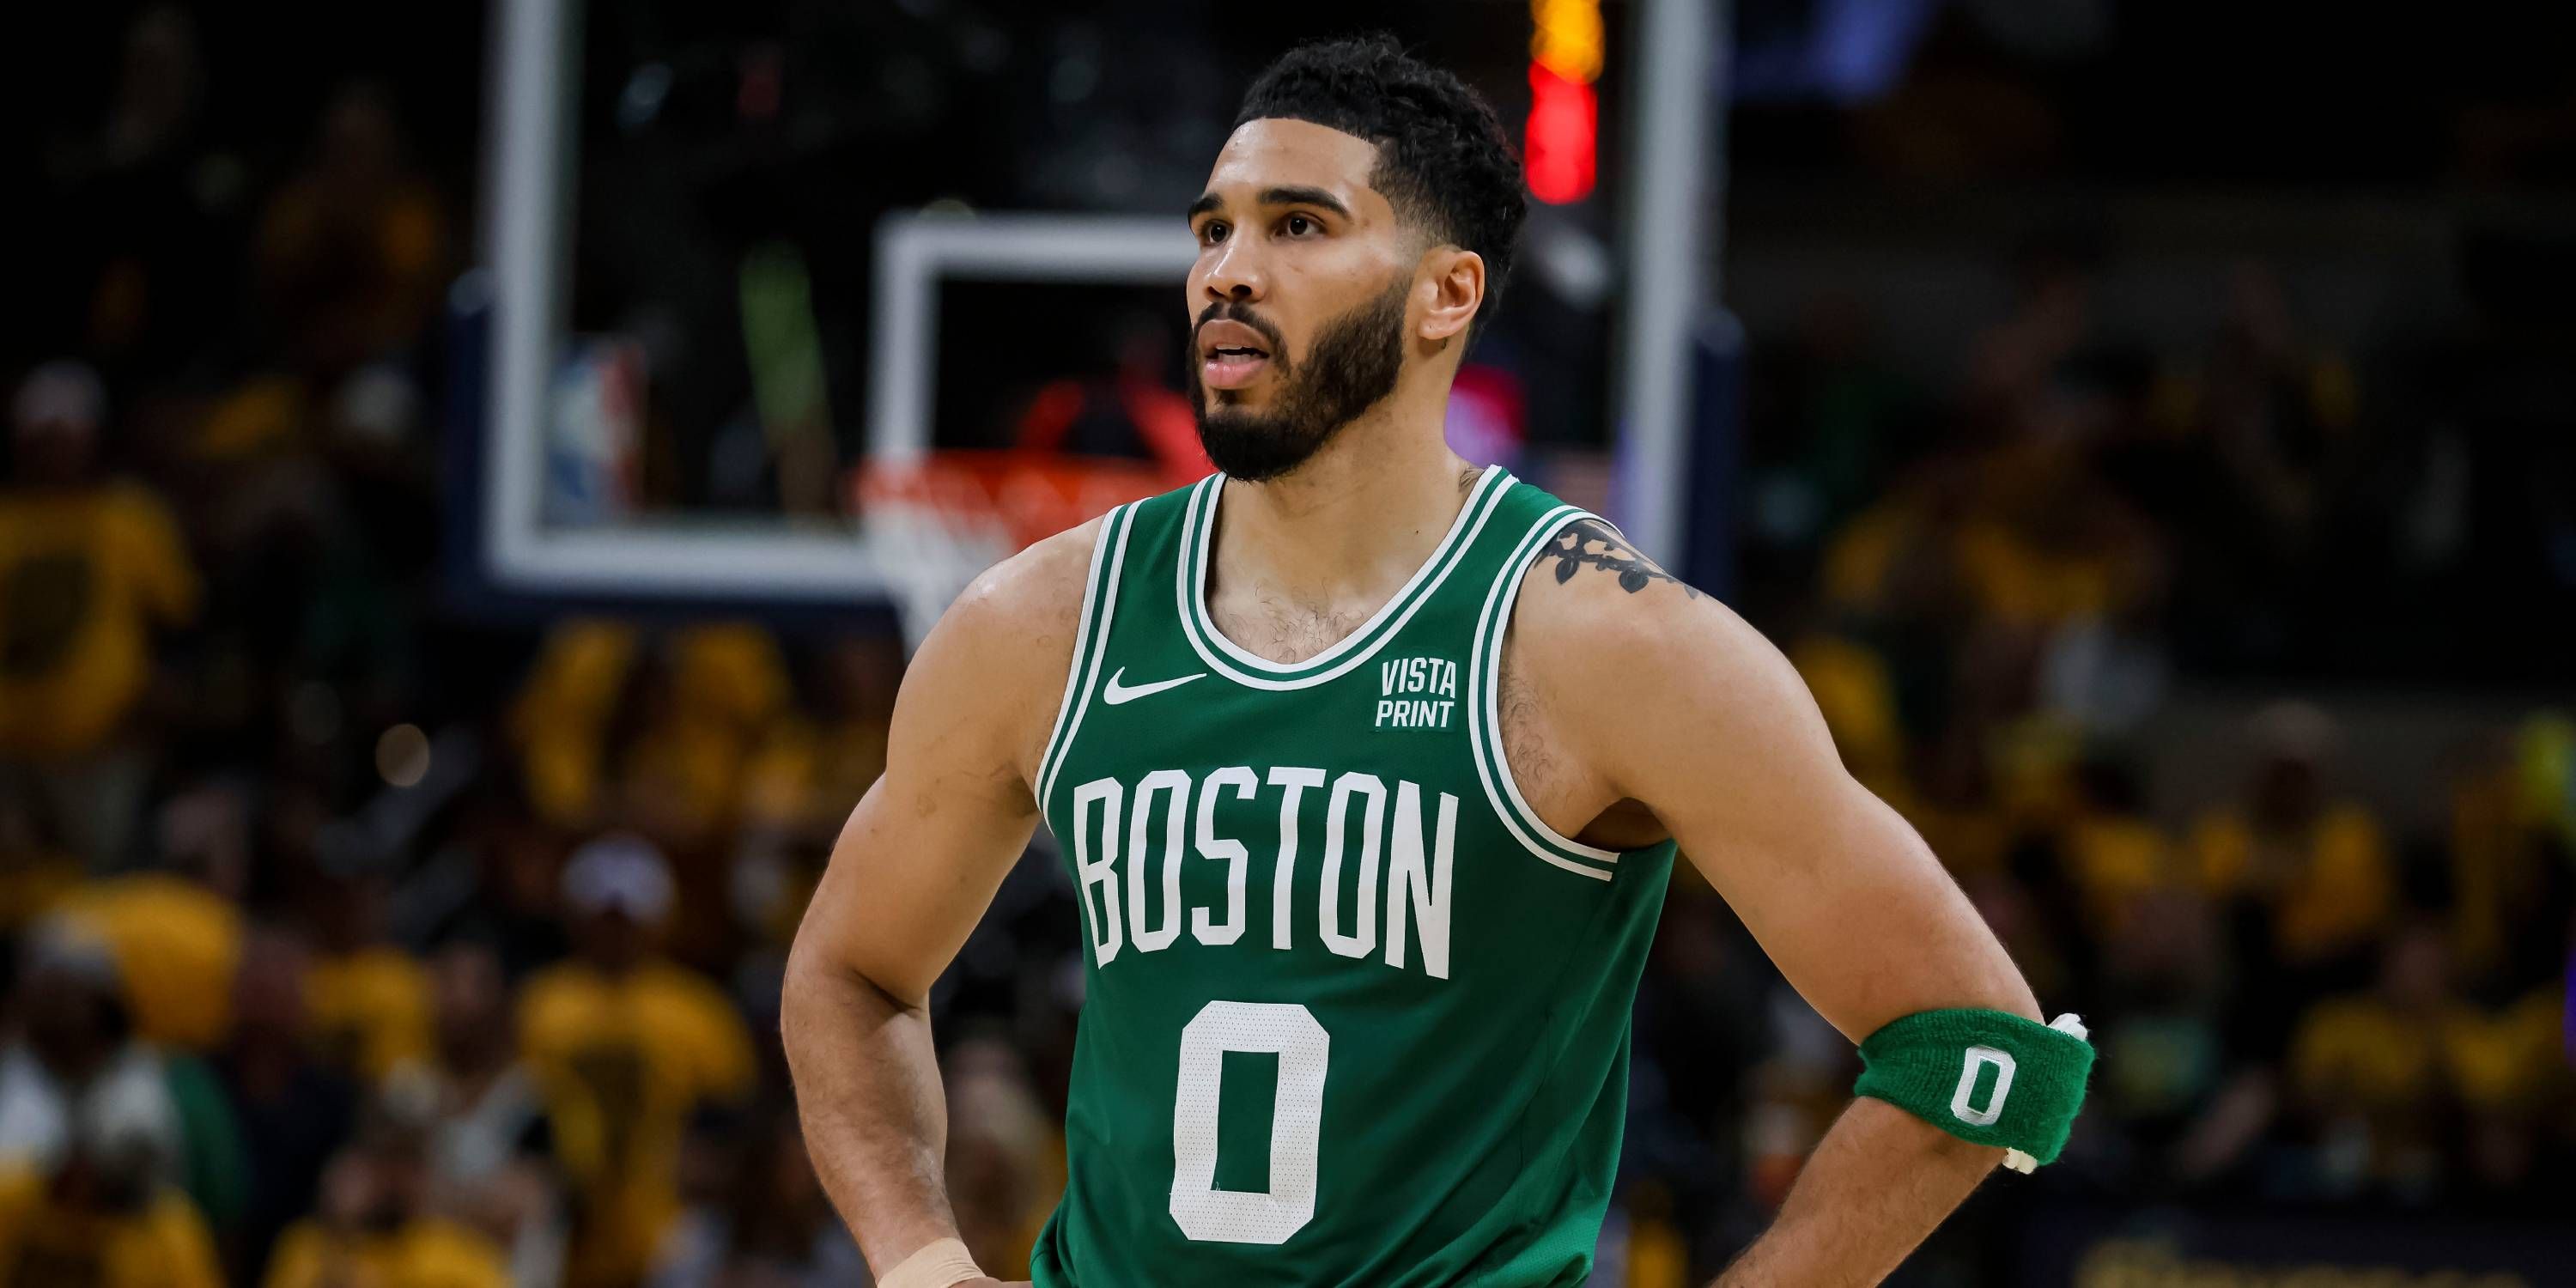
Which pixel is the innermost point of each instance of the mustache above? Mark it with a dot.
(1237, 311)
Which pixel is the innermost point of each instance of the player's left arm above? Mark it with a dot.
(1661, 697)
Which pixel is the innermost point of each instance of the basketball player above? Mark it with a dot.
(1369, 768)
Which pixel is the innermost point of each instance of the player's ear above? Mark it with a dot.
(1457, 281)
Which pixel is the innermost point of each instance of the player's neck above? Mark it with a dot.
(1352, 522)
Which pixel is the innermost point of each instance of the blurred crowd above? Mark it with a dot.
(2305, 995)
(351, 942)
(346, 943)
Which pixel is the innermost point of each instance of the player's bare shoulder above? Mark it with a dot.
(1589, 609)
(1590, 604)
(1637, 679)
(1037, 590)
(1597, 619)
(1605, 646)
(997, 660)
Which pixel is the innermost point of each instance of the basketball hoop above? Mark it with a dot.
(936, 521)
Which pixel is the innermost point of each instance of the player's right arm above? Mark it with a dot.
(913, 871)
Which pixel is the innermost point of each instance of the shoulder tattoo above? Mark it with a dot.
(1589, 543)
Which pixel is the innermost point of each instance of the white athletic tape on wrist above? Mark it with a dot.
(936, 1265)
(2013, 1158)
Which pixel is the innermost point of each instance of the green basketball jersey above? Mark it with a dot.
(1354, 1014)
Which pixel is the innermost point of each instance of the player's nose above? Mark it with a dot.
(1235, 275)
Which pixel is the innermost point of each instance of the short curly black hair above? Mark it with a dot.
(1443, 159)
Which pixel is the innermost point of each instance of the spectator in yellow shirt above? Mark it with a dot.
(89, 567)
(366, 1000)
(661, 727)
(375, 1228)
(2317, 870)
(176, 943)
(627, 1048)
(2379, 1051)
(177, 930)
(352, 251)
(2393, 1066)
(101, 1217)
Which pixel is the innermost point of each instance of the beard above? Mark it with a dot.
(1351, 367)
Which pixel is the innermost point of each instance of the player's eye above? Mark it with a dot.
(1298, 226)
(1212, 232)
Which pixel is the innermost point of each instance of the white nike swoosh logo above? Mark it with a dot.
(1115, 693)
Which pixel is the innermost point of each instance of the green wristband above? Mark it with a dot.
(1983, 1076)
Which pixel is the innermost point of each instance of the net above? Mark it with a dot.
(935, 522)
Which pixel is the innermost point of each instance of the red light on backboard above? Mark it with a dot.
(1557, 149)
(1559, 143)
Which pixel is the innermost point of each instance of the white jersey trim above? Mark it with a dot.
(1197, 548)
(1484, 714)
(1090, 643)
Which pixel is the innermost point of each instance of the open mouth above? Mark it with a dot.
(1231, 355)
